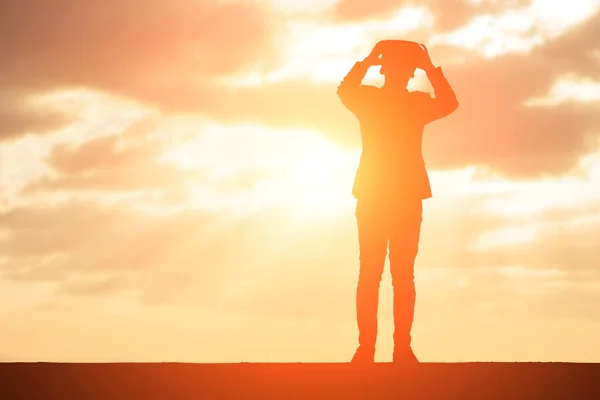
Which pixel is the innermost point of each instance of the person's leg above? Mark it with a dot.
(373, 240)
(405, 231)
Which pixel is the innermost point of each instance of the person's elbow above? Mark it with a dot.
(340, 90)
(444, 108)
(454, 105)
(345, 93)
(344, 90)
(448, 105)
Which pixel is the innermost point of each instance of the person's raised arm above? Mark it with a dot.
(445, 102)
(349, 90)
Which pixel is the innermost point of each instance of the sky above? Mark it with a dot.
(175, 180)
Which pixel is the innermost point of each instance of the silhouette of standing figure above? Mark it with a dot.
(391, 182)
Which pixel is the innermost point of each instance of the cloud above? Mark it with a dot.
(117, 240)
(124, 162)
(569, 88)
(575, 50)
(448, 14)
(112, 44)
(557, 245)
(192, 256)
(526, 141)
(500, 131)
(493, 118)
(237, 265)
(18, 116)
(137, 49)
(548, 234)
(518, 29)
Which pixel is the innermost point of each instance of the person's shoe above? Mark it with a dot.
(404, 355)
(364, 355)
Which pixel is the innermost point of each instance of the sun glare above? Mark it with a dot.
(318, 181)
(296, 169)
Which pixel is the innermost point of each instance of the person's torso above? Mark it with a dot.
(392, 126)
(392, 132)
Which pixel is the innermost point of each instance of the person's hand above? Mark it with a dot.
(424, 61)
(373, 58)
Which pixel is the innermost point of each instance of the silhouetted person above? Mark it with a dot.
(391, 181)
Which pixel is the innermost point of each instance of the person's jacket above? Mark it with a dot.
(391, 124)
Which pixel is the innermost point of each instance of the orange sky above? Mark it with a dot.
(175, 180)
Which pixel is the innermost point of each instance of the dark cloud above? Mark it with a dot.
(18, 117)
(575, 51)
(493, 127)
(112, 44)
(134, 49)
(499, 131)
(120, 162)
(129, 162)
(103, 152)
(157, 62)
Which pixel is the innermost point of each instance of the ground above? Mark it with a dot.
(299, 381)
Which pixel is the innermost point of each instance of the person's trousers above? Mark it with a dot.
(379, 224)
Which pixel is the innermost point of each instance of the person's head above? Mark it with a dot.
(399, 60)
